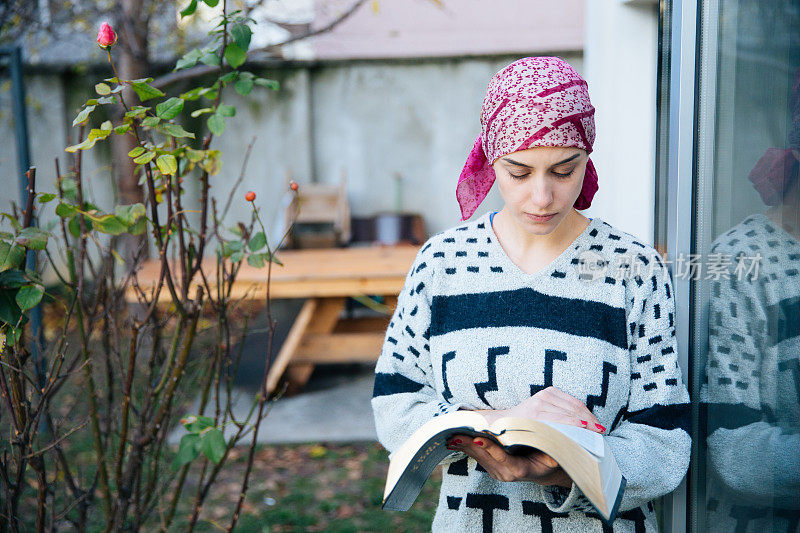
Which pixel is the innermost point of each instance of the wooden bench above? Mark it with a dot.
(326, 278)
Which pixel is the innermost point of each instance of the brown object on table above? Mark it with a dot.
(326, 277)
(323, 219)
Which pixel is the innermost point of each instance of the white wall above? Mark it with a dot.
(620, 65)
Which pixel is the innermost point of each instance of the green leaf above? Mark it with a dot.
(83, 115)
(29, 296)
(194, 94)
(11, 256)
(255, 260)
(211, 3)
(102, 89)
(230, 76)
(167, 164)
(226, 110)
(46, 197)
(234, 55)
(129, 214)
(272, 258)
(110, 224)
(107, 100)
(196, 424)
(65, 210)
(237, 256)
(257, 241)
(188, 60)
(12, 220)
(12, 279)
(176, 130)
(145, 91)
(70, 189)
(150, 121)
(188, 450)
(210, 93)
(211, 59)
(228, 247)
(136, 152)
(74, 225)
(121, 129)
(188, 10)
(216, 124)
(32, 238)
(212, 442)
(10, 312)
(211, 163)
(138, 111)
(193, 155)
(139, 227)
(94, 135)
(169, 109)
(244, 86)
(144, 158)
(241, 35)
(197, 112)
(269, 84)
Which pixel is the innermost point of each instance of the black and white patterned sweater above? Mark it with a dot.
(471, 329)
(752, 382)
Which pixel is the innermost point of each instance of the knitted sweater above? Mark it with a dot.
(753, 382)
(472, 330)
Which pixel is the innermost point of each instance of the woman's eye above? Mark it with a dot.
(517, 176)
(564, 174)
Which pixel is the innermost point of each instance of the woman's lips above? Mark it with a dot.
(539, 218)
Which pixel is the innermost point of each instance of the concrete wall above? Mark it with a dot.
(621, 58)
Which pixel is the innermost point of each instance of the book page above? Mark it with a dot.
(588, 439)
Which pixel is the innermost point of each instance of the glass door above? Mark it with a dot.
(744, 319)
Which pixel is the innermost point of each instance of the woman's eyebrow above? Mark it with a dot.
(567, 160)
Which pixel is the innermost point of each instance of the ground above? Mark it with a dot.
(314, 487)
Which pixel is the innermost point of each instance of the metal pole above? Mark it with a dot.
(14, 55)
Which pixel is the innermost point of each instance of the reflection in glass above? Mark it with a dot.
(752, 370)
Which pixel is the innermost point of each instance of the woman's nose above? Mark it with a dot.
(541, 193)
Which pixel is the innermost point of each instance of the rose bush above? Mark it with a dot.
(85, 423)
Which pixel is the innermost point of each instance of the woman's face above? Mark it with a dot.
(540, 185)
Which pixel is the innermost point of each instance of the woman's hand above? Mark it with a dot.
(536, 466)
(551, 404)
(555, 405)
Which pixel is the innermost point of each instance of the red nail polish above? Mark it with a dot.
(457, 441)
(601, 428)
(479, 442)
(584, 422)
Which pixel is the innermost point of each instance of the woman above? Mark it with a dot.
(496, 316)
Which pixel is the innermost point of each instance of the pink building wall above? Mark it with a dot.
(424, 28)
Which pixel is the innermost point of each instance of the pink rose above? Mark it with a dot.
(106, 37)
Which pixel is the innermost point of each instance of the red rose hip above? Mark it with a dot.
(250, 196)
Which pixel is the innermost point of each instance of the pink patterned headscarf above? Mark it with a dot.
(777, 168)
(534, 101)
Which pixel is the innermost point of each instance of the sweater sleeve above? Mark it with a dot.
(742, 423)
(650, 438)
(404, 395)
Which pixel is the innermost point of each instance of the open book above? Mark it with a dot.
(582, 453)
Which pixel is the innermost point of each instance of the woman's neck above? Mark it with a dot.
(522, 243)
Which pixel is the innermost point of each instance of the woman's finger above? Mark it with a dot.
(585, 420)
(539, 455)
(576, 408)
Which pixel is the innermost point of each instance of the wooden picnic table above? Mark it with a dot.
(326, 278)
